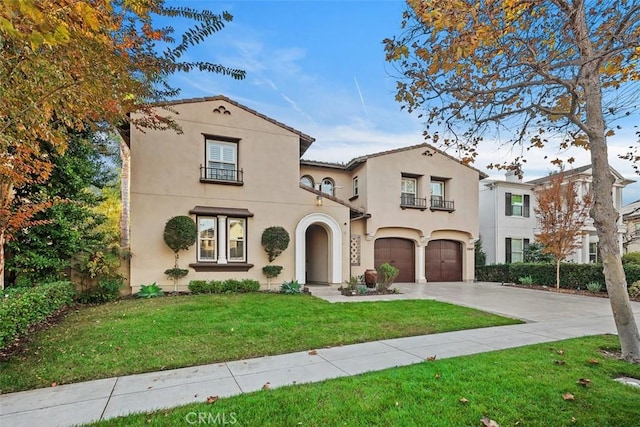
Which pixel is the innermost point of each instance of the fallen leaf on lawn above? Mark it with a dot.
(487, 422)
(54, 384)
(568, 396)
(266, 386)
(594, 361)
(464, 400)
(212, 399)
(584, 381)
(559, 362)
(150, 387)
(560, 352)
(437, 376)
(431, 358)
(313, 352)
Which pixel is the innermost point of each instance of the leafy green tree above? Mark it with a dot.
(479, 253)
(534, 252)
(70, 227)
(84, 65)
(530, 73)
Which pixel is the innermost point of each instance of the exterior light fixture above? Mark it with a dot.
(318, 200)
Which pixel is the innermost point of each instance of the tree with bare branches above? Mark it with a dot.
(562, 214)
(529, 70)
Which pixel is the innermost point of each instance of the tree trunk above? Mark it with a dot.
(125, 195)
(558, 274)
(604, 214)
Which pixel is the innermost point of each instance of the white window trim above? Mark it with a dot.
(332, 183)
(521, 251)
(222, 239)
(244, 239)
(224, 147)
(200, 239)
(521, 205)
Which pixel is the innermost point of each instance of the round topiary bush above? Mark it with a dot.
(275, 240)
(180, 232)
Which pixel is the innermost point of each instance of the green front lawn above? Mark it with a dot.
(135, 336)
(516, 387)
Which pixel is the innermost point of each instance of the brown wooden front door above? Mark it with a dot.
(443, 261)
(399, 253)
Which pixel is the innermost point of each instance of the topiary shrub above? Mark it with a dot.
(387, 273)
(180, 233)
(274, 241)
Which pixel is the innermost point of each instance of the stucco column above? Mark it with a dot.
(421, 278)
(222, 239)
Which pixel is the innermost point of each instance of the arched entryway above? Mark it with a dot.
(318, 246)
(317, 257)
(398, 252)
(443, 261)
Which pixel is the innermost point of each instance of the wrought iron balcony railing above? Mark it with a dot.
(438, 203)
(221, 175)
(413, 202)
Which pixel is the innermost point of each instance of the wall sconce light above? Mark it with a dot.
(318, 200)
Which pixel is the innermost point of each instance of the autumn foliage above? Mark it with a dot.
(75, 65)
(562, 214)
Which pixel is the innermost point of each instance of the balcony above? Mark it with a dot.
(413, 202)
(221, 176)
(439, 204)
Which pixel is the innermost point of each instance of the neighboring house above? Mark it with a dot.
(237, 172)
(505, 232)
(507, 218)
(631, 221)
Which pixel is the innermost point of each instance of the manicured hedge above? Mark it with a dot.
(572, 276)
(24, 307)
(222, 287)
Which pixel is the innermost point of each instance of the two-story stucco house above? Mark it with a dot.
(237, 172)
(508, 222)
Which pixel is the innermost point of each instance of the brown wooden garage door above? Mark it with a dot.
(443, 261)
(399, 253)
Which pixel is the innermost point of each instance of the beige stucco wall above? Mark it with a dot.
(165, 182)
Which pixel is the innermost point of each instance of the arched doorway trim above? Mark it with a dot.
(335, 246)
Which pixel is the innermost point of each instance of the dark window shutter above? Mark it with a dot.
(507, 204)
(507, 249)
(526, 206)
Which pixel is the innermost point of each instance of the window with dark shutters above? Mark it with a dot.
(507, 249)
(525, 211)
(507, 204)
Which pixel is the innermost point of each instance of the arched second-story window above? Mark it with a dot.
(327, 186)
(307, 181)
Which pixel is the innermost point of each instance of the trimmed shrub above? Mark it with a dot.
(572, 276)
(631, 258)
(291, 288)
(634, 290)
(22, 308)
(219, 287)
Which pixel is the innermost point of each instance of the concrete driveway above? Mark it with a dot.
(527, 304)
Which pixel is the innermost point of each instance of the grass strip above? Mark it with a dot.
(522, 386)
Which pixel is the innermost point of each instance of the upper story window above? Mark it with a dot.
(307, 181)
(517, 205)
(327, 186)
(408, 191)
(355, 185)
(438, 196)
(221, 160)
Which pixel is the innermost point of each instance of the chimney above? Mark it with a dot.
(512, 176)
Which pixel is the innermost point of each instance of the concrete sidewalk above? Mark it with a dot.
(553, 317)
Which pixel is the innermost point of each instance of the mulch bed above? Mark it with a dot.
(582, 292)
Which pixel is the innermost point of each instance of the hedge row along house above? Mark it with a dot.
(237, 172)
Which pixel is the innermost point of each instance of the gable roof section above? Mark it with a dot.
(586, 169)
(358, 161)
(354, 210)
(305, 140)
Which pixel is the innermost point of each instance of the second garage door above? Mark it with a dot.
(443, 261)
(400, 254)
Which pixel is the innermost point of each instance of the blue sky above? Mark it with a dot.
(319, 67)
